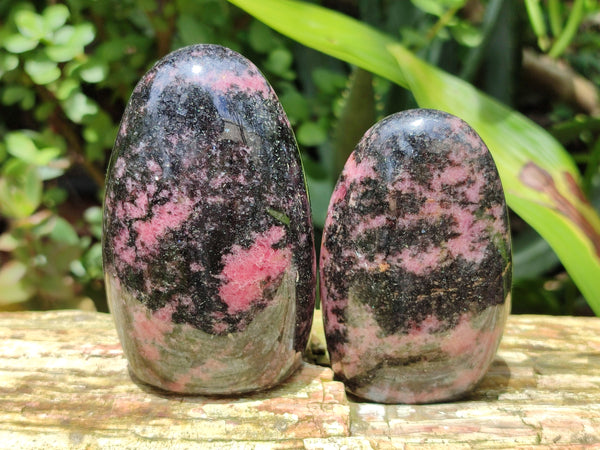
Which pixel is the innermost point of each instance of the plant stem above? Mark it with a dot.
(571, 27)
(538, 23)
(442, 22)
(554, 14)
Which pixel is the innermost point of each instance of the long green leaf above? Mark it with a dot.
(540, 179)
(328, 32)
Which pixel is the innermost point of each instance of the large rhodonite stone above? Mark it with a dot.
(208, 246)
(416, 261)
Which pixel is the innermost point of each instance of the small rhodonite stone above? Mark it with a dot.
(208, 247)
(416, 261)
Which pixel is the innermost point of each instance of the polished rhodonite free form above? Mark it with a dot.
(416, 261)
(208, 246)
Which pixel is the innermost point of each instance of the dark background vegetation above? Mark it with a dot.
(67, 69)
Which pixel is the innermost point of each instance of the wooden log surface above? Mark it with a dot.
(64, 383)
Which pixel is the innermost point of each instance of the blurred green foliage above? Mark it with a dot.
(67, 69)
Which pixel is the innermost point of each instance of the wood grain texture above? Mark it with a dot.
(64, 383)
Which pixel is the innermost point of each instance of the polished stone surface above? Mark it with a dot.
(208, 244)
(416, 261)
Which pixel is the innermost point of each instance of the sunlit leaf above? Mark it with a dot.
(538, 22)
(42, 70)
(21, 146)
(7, 63)
(20, 190)
(64, 232)
(93, 71)
(16, 43)
(8, 242)
(30, 24)
(69, 42)
(570, 29)
(55, 16)
(466, 34)
(13, 289)
(84, 34)
(66, 88)
(62, 52)
(78, 106)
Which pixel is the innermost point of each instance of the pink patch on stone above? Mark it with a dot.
(332, 320)
(179, 384)
(122, 249)
(420, 262)
(154, 168)
(451, 175)
(196, 267)
(168, 216)
(120, 167)
(165, 313)
(252, 83)
(369, 224)
(225, 82)
(339, 193)
(461, 340)
(248, 272)
(457, 126)
(150, 329)
(471, 241)
(496, 212)
(149, 351)
(428, 325)
(134, 210)
(220, 327)
(473, 192)
(354, 171)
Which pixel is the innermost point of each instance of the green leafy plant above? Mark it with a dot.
(541, 181)
(67, 69)
(66, 72)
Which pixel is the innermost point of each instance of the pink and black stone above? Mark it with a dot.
(208, 246)
(416, 261)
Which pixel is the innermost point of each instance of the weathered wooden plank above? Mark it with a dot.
(64, 383)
